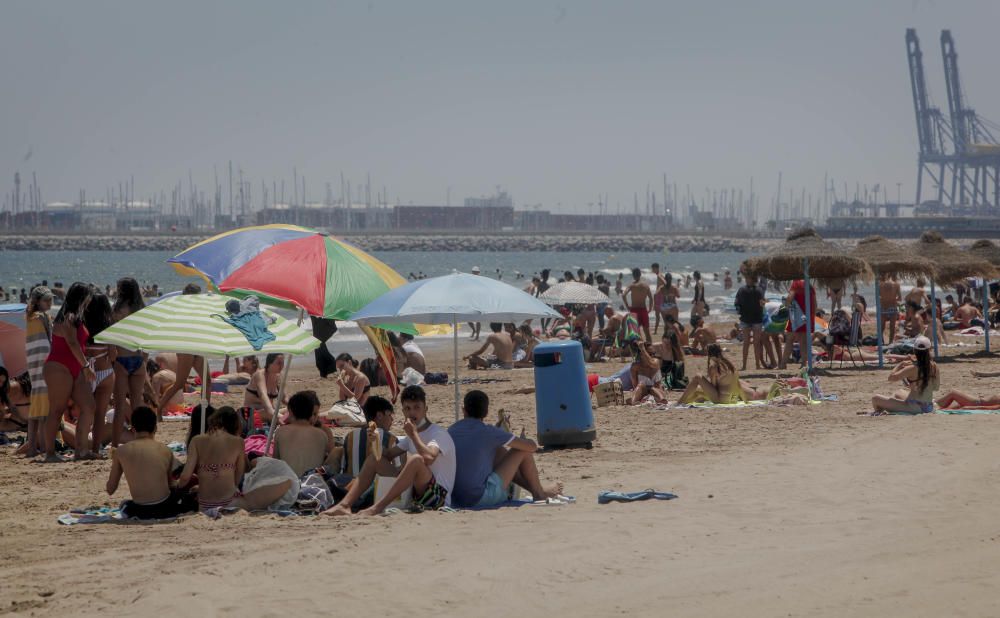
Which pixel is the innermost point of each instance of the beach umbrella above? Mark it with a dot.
(12, 338)
(573, 293)
(289, 266)
(951, 265)
(805, 255)
(986, 250)
(451, 299)
(193, 324)
(888, 258)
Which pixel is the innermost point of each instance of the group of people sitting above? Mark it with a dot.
(470, 464)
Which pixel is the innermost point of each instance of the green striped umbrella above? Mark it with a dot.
(193, 324)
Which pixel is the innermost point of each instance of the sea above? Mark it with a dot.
(26, 268)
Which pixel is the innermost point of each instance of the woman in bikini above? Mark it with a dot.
(723, 384)
(669, 292)
(646, 375)
(129, 366)
(672, 356)
(262, 390)
(921, 377)
(218, 458)
(15, 399)
(38, 338)
(101, 358)
(352, 383)
(67, 374)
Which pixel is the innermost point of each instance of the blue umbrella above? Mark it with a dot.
(450, 299)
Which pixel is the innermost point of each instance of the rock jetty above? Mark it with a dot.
(398, 242)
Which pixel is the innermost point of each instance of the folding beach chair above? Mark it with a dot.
(852, 341)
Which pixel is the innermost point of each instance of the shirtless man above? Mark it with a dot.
(968, 315)
(701, 336)
(160, 380)
(503, 350)
(147, 465)
(917, 294)
(657, 295)
(639, 300)
(300, 443)
(698, 300)
(889, 291)
(913, 325)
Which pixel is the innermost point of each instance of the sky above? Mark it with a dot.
(557, 102)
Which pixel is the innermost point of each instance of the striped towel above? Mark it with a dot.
(38, 340)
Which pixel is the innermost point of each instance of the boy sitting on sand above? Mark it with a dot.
(351, 457)
(147, 465)
(429, 469)
(490, 459)
(300, 443)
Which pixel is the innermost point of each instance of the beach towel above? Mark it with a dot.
(107, 515)
(628, 332)
(977, 410)
(38, 336)
(245, 316)
(606, 497)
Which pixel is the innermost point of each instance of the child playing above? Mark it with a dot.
(147, 465)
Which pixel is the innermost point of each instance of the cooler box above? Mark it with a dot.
(562, 396)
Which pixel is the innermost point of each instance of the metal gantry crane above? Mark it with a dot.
(966, 176)
(976, 165)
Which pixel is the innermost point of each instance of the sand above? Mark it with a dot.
(782, 511)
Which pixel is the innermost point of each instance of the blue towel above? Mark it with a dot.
(253, 326)
(616, 496)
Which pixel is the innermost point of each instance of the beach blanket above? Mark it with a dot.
(106, 515)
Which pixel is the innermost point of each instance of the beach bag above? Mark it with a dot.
(411, 377)
(435, 377)
(777, 322)
(382, 486)
(347, 413)
(609, 394)
(313, 487)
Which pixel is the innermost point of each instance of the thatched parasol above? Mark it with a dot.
(827, 262)
(804, 255)
(951, 264)
(986, 250)
(887, 258)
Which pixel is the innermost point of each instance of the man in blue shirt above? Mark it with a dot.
(489, 459)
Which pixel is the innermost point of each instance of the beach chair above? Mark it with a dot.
(851, 342)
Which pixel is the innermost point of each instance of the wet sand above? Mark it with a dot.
(781, 511)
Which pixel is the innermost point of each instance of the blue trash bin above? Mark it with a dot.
(562, 397)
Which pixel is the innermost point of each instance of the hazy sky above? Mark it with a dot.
(555, 101)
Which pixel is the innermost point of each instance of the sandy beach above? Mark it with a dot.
(781, 511)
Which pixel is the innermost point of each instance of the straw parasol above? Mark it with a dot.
(887, 258)
(805, 255)
(951, 265)
(827, 262)
(986, 250)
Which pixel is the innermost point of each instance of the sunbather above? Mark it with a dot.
(489, 459)
(922, 378)
(722, 385)
(147, 465)
(958, 400)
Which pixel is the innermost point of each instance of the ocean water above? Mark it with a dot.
(25, 268)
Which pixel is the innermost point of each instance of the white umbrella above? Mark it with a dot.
(573, 293)
(451, 299)
(193, 324)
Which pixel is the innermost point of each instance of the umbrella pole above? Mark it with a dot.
(934, 320)
(281, 394)
(878, 318)
(986, 311)
(204, 392)
(454, 330)
(809, 319)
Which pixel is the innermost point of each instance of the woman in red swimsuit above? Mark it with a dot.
(66, 371)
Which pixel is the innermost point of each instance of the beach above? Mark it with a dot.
(802, 510)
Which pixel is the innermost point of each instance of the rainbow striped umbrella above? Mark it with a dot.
(290, 266)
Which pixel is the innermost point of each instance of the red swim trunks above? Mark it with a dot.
(641, 315)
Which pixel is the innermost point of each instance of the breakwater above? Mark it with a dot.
(421, 242)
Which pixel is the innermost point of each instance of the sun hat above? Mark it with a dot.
(921, 343)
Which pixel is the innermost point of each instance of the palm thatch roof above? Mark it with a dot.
(827, 262)
(986, 250)
(951, 264)
(889, 258)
